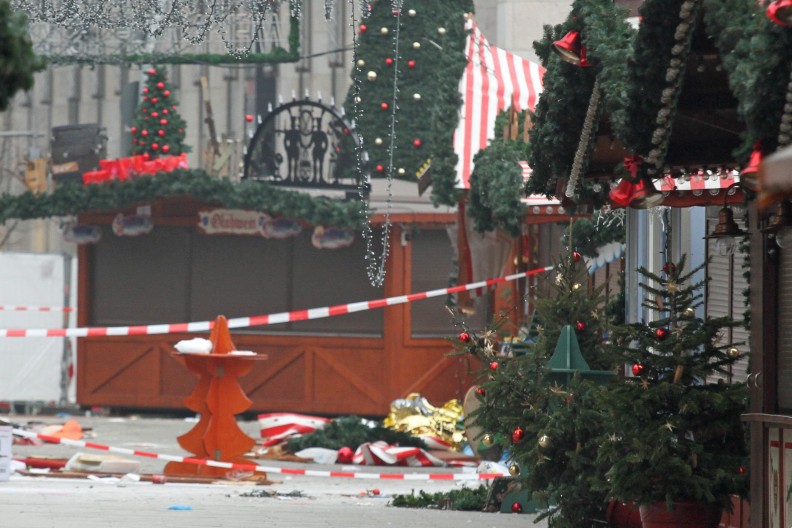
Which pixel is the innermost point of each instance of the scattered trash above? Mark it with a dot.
(129, 478)
(101, 464)
(238, 474)
(180, 507)
(269, 494)
(158, 479)
(5, 451)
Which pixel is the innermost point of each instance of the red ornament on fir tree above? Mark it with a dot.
(154, 146)
(154, 114)
(144, 132)
(363, 28)
(181, 130)
(152, 71)
(160, 85)
(411, 63)
(668, 267)
(165, 149)
(661, 334)
(417, 143)
(380, 168)
(249, 118)
(163, 121)
(580, 326)
(161, 132)
(165, 111)
(516, 507)
(494, 365)
(576, 256)
(154, 100)
(481, 392)
(145, 90)
(133, 130)
(166, 93)
(384, 105)
(389, 61)
(517, 435)
(637, 369)
(464, 337)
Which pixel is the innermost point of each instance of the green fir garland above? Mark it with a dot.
(18, 63)
(73, 199)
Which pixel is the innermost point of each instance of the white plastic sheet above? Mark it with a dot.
(32, 367)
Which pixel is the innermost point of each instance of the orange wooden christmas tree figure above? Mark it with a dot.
(217, 398)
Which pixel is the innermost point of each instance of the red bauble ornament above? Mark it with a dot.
(181, 131)
(145, 90)
(516, 507)
(345, 455)
(576, 256)
(384, 106)
(741, 470)
(146, 156)
(661, 334)
(668, 267)
(580, 325)
(389, 61)
(144, 132)
(152, 71)
(165, 149)
(249, 118)
(481, 392)
(134, 141)
(346, 131)
(464, 337)
(494, 365)
(363, 28)
(165, 111)
(154, 146)
(154, 114)
(161, 132)
(133, 130)
(160, 85)
(166, 93)
(417, 143)
(411, 63)
(163, 121)
(154, 100)
(637, 369)
(173, 107)
(517, 435)
(380, 168)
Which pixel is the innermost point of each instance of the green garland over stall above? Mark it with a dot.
(562, 108)
(73, 199)
(757, 55)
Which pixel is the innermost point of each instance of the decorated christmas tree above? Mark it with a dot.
(158, 128)
(404, 97)
(674, 430)
(538, 401)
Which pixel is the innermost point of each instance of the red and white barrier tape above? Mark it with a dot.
(261, 320)
(256, 467)
(7, 308)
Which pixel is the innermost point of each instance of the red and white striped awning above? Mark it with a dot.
(493, 79)
(538, 204)
(699, 188)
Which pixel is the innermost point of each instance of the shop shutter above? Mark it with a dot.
(725, 297)
(784, 324)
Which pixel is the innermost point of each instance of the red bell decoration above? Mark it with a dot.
(517, 435)
(638, 369)
(780, 12)
(645, 195)
(661, 334)
(464, 337)
(749, 176)
(621, 195)
(571, 50)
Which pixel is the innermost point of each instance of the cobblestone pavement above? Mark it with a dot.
(290, 501)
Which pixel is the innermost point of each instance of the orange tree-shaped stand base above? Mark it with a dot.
(217, 398)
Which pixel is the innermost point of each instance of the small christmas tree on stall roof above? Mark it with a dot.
(158, 128)
(674, 429)
(547, 422)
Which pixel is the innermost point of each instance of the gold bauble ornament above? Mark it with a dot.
(514, 470)
(417, 96)
(384, 30)
(358, 100)
(360, 63)
(441, 31)
(378, 141)
(733, 352)
(544, 441)
(689, 312)
(401, 171)
(487, 440)
(416, 45)
(372, 76)
(411, 12)
(576, 286)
